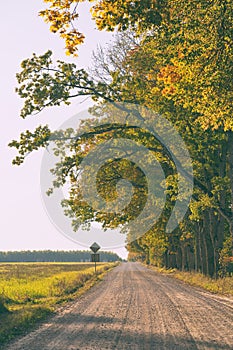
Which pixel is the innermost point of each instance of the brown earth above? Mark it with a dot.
(136, 308)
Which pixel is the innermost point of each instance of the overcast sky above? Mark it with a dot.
(24, 221)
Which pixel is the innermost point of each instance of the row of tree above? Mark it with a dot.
(175, 58)
(55, 256)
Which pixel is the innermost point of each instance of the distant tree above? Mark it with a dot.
(55, 256)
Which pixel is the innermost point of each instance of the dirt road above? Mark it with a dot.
(136, 308)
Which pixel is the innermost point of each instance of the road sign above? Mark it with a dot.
(95, 247)
(95, 257)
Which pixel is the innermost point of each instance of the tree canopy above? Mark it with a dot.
(174, 58)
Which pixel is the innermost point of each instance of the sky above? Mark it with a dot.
(25, 222)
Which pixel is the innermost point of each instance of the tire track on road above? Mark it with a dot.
(139, 309)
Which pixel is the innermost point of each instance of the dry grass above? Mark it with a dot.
(221, 285)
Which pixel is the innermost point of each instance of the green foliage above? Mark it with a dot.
(30, 141)
(226, 258)
(41, 84)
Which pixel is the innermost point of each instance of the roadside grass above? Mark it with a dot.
(222, 286)
(29, 292)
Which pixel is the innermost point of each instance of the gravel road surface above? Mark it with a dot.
(139, 309)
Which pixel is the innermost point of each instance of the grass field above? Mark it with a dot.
(31, 291)
(221, 285)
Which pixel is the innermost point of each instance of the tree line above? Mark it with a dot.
(55, 256)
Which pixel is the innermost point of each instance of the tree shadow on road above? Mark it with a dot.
(102, 333)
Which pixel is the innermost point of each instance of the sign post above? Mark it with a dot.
(95, 257)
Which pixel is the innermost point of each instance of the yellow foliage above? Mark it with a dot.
(60, 15)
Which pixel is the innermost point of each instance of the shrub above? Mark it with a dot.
(3, 308)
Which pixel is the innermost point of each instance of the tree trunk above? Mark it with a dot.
(198, 260)
(179, 258)
(209, 247)
(230, 159)
(201, 248)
